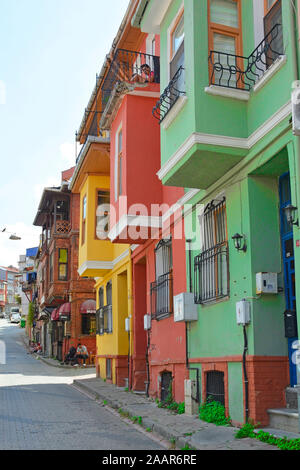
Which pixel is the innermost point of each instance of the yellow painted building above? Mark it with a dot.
(108, 263)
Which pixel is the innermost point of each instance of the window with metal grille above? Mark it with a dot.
(108, 369)
(211, 267)
(215, 386)
(162, 289)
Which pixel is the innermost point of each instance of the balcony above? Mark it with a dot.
(243, 73)
(128, 70)
(61, 227)
(161, 292)
(170, 96)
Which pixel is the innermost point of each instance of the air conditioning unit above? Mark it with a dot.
(296, 108)
(185, 308)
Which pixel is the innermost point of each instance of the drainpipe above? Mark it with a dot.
(186, 329)
(147, 363)
(246, 382)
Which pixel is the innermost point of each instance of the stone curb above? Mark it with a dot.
(160, 429)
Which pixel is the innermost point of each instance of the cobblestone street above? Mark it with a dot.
(39, 408)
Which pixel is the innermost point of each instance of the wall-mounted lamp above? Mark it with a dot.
(290, 213)
(239, 242)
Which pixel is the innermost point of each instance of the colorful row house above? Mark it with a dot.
(188, 181)
(229, 136)
(65, 304)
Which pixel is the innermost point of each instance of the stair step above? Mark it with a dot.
(285, 419)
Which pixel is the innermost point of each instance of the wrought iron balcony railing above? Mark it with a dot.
(129, 66)
(161, 292)
(211, 274)
(172, 92)
(234, 71)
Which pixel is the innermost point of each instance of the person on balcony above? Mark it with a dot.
(146, 76)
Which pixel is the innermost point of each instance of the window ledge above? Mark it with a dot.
(270, 72)
(174, 111)
(216, 90)
(210, 303)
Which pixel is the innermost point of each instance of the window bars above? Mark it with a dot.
(211, 267)
(174, 90)
(235, 71)
(161, 290)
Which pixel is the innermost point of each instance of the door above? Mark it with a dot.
(287, 244)
(166, 384)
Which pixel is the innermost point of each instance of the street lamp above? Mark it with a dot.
(237, 239)
(13, 236)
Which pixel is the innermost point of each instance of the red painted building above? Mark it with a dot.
(139, 216)
(66, 302)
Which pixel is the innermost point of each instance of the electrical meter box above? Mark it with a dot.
(185, 308)
(243, 312)
(147, 322)
(266, 283)
(127, 324)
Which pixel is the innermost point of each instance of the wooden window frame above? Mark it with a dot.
(177, 21)
(65, 264)
(96, 204)
(236, 33)
(266, 6)
(83, 219)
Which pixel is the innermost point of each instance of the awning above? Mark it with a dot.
(64, 312)
(54, 315)
(88, 306)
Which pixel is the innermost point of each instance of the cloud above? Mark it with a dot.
(11, 249)
(67, 152)
(38, 188)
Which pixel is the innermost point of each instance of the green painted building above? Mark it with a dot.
(225, 112)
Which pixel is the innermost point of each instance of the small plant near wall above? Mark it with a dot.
(282, 443)
(214, 412)
(170, 404)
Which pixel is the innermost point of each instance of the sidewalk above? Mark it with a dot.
(179, 430)
(54, 362)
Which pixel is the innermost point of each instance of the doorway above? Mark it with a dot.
(287, 244)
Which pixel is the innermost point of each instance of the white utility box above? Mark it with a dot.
(185, 308)
(243, 312)
(147, 322)
(266, 283)
(127, 324)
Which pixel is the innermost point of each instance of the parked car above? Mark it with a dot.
(15, 318)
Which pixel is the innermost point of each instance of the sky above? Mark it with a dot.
(50, 53)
